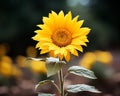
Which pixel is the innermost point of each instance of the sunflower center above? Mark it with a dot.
(61, 37)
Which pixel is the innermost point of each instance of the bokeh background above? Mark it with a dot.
(18, 20)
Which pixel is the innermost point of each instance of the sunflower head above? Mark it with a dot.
(61, 35)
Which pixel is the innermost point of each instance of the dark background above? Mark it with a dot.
(18, 20)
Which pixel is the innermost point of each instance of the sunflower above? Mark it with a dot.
(60, 35)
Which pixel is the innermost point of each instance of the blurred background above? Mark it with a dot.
(18, 20)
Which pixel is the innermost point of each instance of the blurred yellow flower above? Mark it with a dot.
(3, 50)
(6, 59)
(104, 56)
(16, 72)
(21, 61)
(31, 51)
(7, 70)
(38, 66)
(61, 35)
(89, 58)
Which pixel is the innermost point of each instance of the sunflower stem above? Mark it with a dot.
(61, 80)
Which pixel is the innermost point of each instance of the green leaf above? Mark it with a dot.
(53, 65)
(42, 83)
(51, 59)
(81, 71)
(45, 94)
(36, 59)
(82, 87)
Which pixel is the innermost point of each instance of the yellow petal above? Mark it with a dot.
(37, 31)
(78, 47)
(45, 20)
(57, 51)
(75, 19)
(78, 41)
(52, 47)
(44, 51)
(81, 32)
(45, 46)
(54, 14)
(79, 23)
(60, 21)
(49, 22)
(76, 26)
(68, 16)
(67, 57)
(75, 53)
(61, 56)
(61, 14)
(71, 48)
(45, 28)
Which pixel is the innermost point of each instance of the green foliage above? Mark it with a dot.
(81, 71)
(81, 87)
(44, 94)
(36, 59)
(42, 83)
(53, 65)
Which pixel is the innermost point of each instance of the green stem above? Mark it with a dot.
(61, 80)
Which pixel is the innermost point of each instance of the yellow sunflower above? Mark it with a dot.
(61, 35)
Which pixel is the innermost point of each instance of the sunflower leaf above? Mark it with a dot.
(81, 71)
(45, 94)
(42, 83)
(82, 87)
(52, 59)
(53, 65)
(36, 59)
